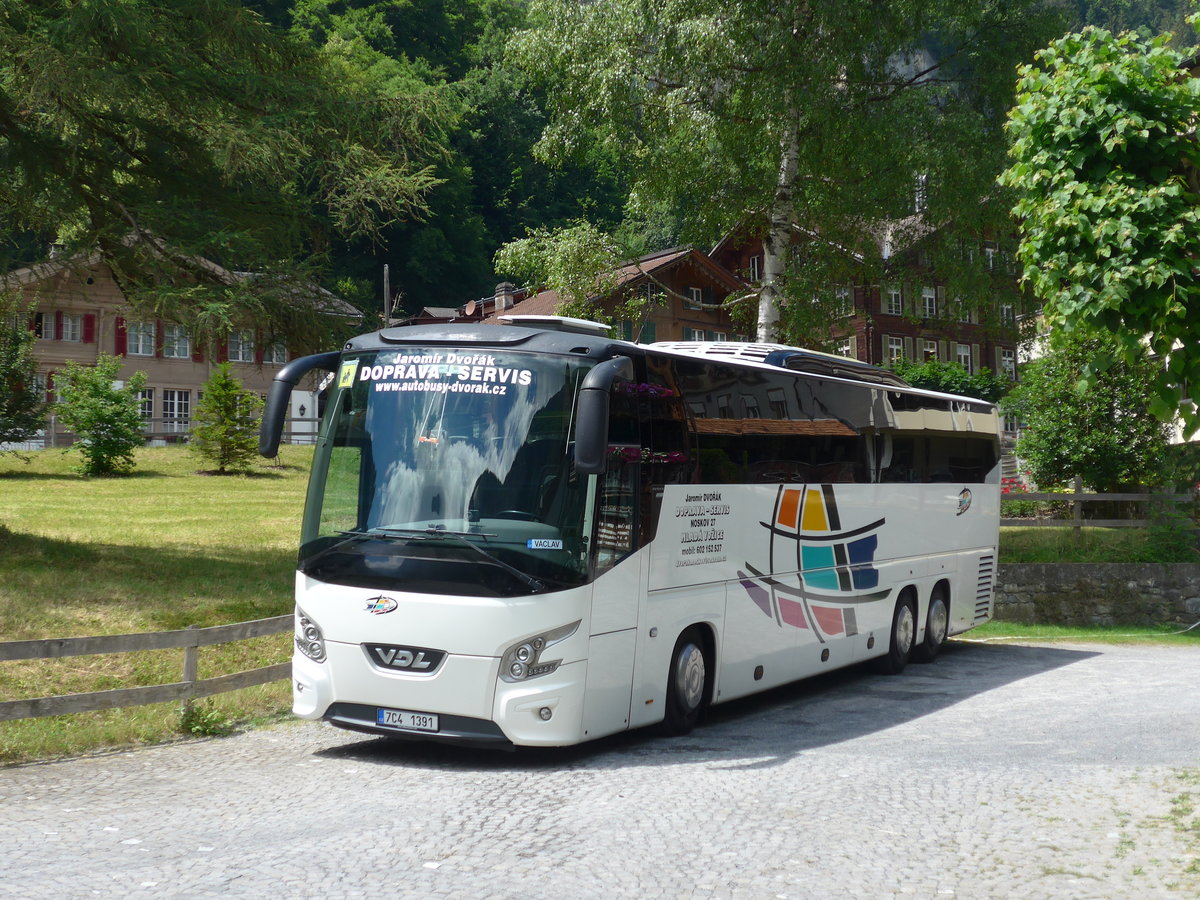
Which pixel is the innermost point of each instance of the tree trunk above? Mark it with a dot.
(779, 233)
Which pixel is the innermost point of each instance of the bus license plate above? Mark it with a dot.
(411, 721)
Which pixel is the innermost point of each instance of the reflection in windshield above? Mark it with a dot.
(421, 441)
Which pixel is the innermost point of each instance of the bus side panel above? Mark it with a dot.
(609, 680)
(667, 615)
(750, 641)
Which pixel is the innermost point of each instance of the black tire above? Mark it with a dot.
(937, 627)
(687, 684)
(901, 638)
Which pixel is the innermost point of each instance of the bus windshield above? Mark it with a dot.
(448, 472)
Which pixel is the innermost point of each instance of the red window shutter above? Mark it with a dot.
(197, 354)
(50, 387)
(121, 338)
(89, 328)
(160, 336)
(258, 347)
(223, 350)
(58, 317)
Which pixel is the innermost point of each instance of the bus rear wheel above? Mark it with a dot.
(903, 636)
(687, 684)
(937, 625)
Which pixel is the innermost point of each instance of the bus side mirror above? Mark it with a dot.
(287, 378)
(591, 425)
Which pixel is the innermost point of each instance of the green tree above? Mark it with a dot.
(225, 425)
(1099, 429)
(813, 119)
(104, 414)
(189, 134)
(1104, 162)
(22, 407)
(952, 378)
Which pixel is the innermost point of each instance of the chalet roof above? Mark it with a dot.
(321, 299)
(545, 303)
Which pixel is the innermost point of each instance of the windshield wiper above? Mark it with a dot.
(460, 538)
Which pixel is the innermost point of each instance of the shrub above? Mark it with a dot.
(105, 416)
(225, 428)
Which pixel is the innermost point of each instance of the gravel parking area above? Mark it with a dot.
(999, 771)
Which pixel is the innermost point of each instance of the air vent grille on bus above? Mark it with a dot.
(757, 352)
(983, 592)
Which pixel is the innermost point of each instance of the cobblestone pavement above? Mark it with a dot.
(999, 771)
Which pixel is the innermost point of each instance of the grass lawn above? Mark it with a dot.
(1095, 545)
(161, 549)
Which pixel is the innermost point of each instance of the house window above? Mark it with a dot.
(694, 298)
(989, 255)
(41, 384)
(894, 305)
(716, 336)
(176, 409)
(146, 404)
(241, 346)
(693, 334)
(962, 352)
(929, 350)
(177, 343)
(844, 347)
(961, 311)
(751, 405)
(1007, 316)
(1008, 363)
(139, 339)
(72, 328)
(895, 349)
(1012, 424)
(275, 353)
(755, 268)
(920, 193)
(929, 302)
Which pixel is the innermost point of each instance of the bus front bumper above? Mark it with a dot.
(545, 711)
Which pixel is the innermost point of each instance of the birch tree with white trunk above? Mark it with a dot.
(806, 121)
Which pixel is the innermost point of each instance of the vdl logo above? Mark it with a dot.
(415, 660)
(377, 606)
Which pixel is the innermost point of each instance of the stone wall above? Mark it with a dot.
(1099, 593)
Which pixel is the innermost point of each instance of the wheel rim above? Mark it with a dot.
(689, 677)
(939, 620)
(905, 630)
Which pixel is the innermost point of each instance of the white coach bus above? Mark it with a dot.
(534, 534)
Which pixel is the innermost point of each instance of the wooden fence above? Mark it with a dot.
(1077, 498)
(189, 688)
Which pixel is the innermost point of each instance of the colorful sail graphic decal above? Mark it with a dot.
(833, 566)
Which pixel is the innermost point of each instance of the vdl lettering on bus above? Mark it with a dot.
(487, 556)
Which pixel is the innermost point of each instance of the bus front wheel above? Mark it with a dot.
(903, 636)
(687, 684)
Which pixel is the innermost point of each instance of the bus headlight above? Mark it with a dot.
(523, 661)
(309, 639)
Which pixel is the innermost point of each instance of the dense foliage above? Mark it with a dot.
(191, 141)
(1101, 429)
(821, 120)
(1106, 167)
(103, 413)
(22, 406)
(952, 378)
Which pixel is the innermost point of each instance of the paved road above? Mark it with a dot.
(1000, 771)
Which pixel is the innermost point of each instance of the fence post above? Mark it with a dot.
(191, 672)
